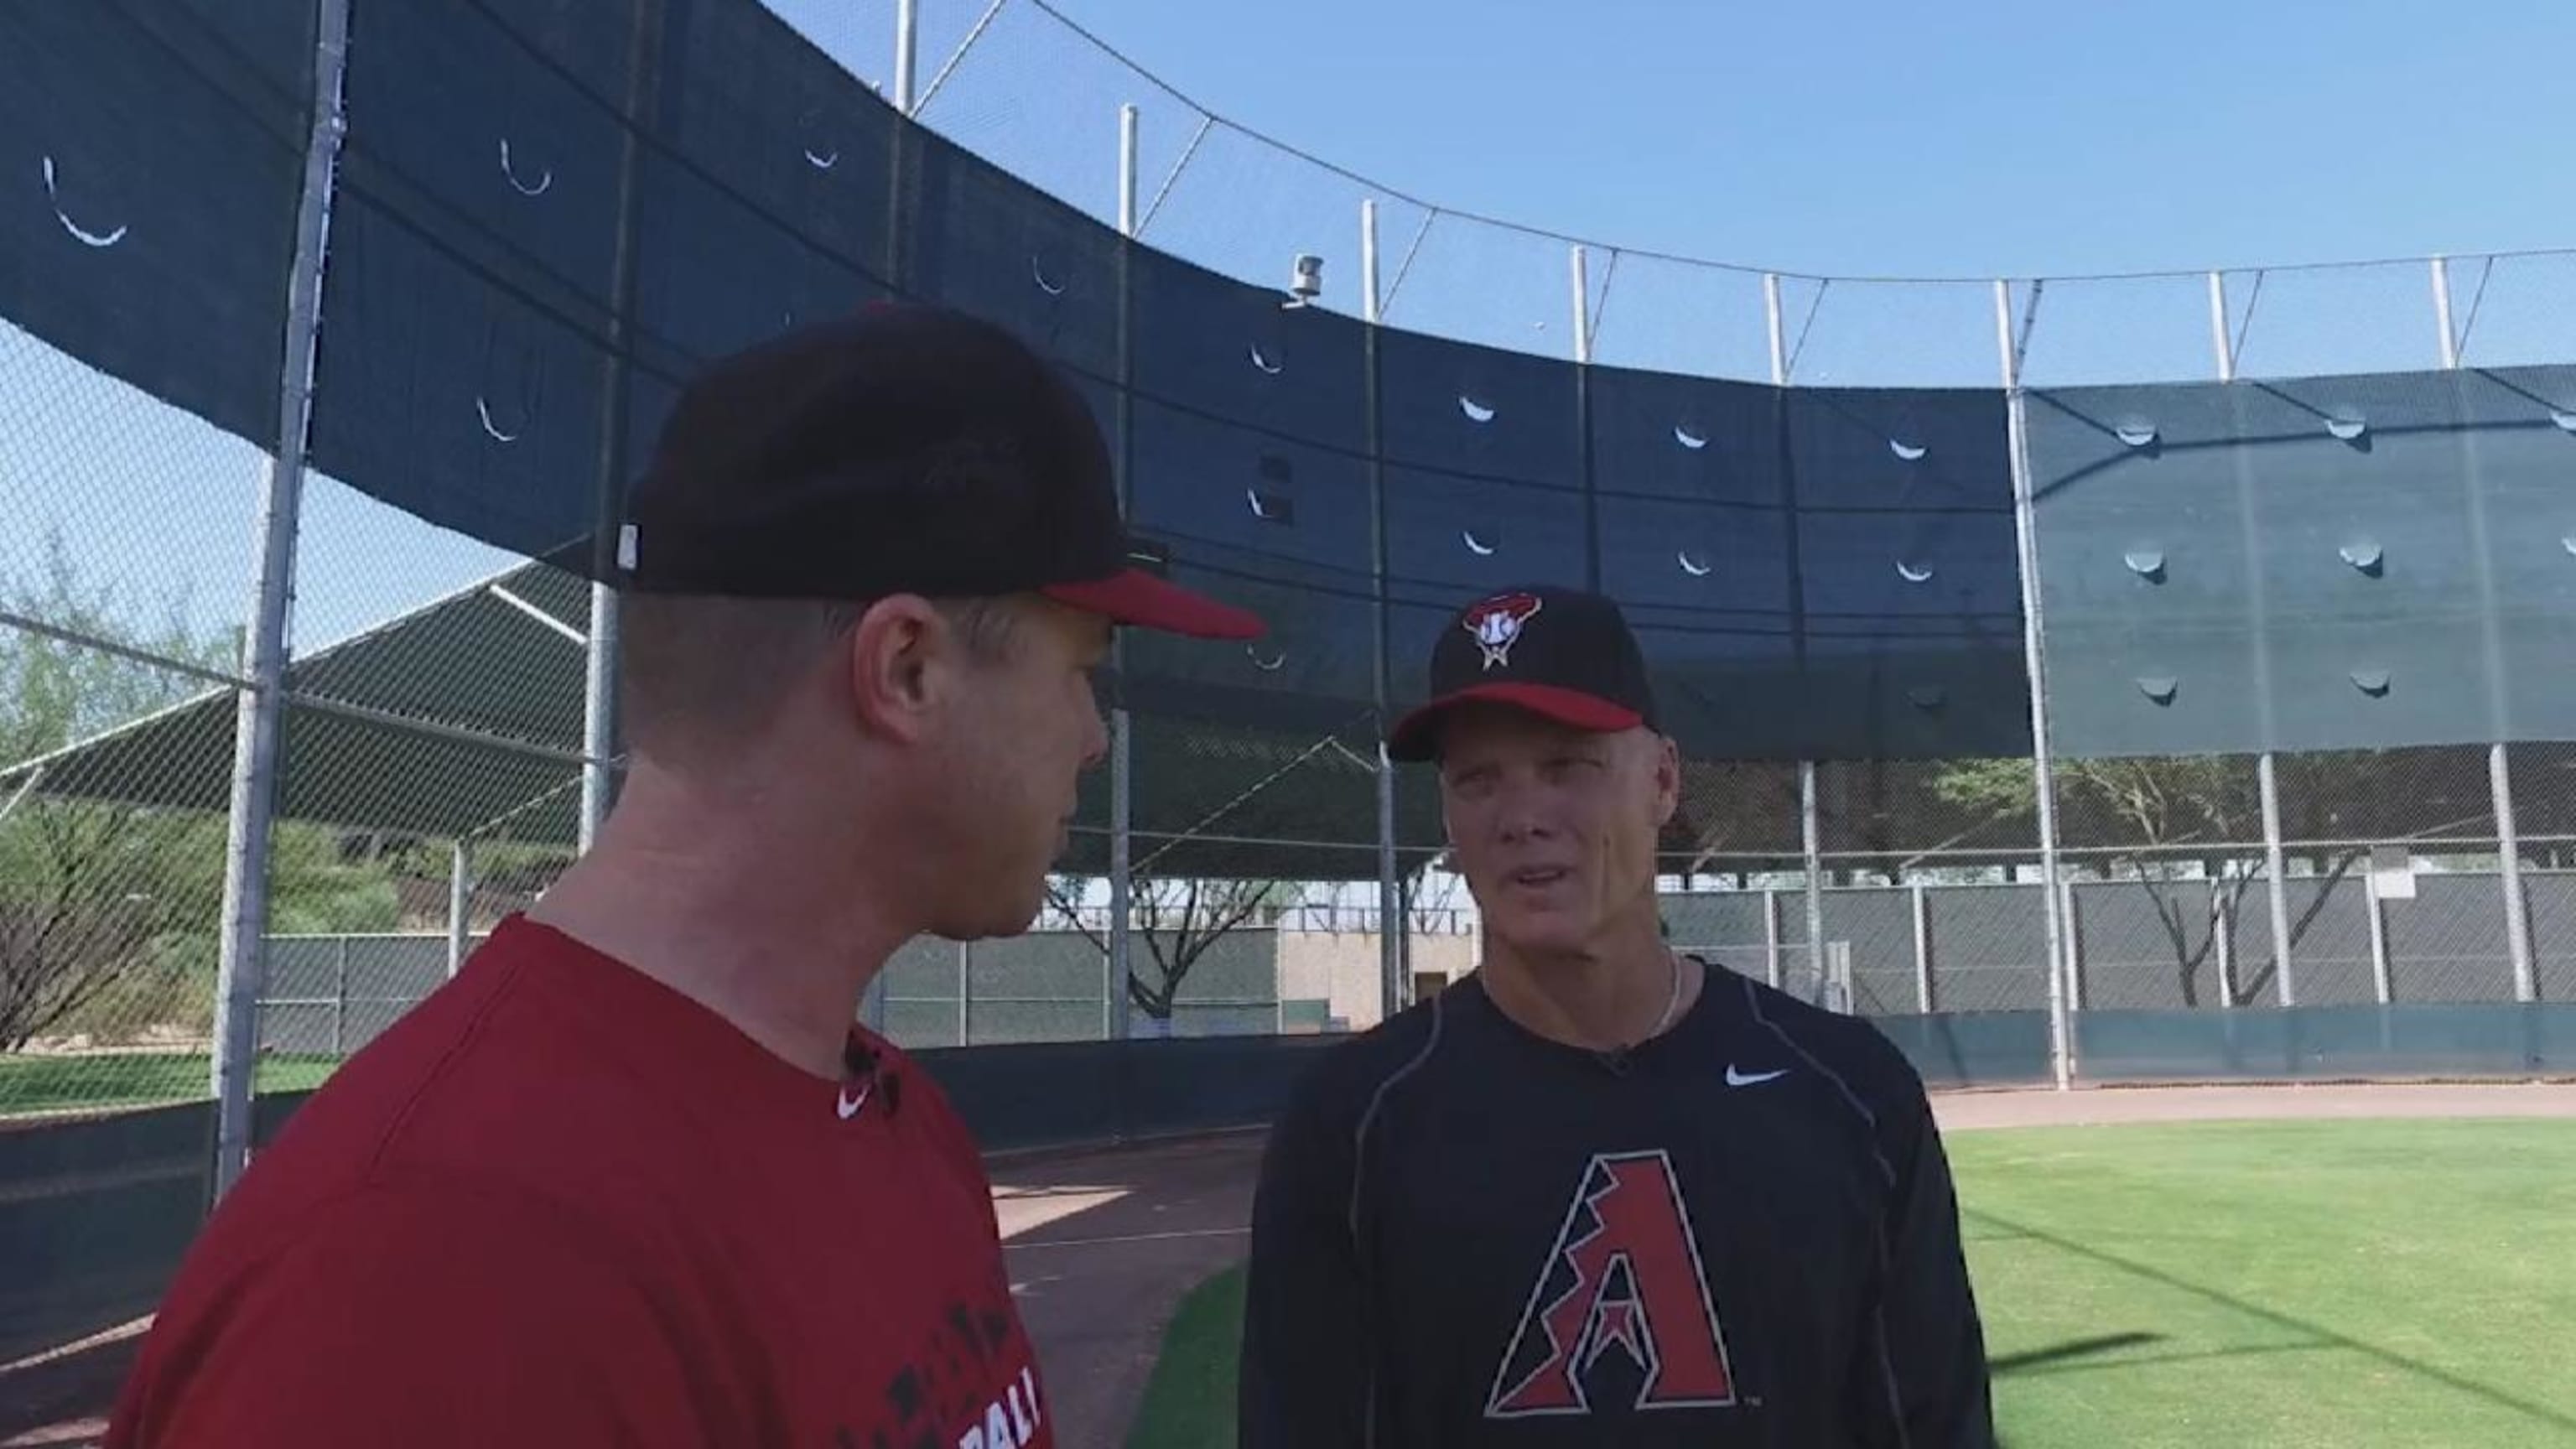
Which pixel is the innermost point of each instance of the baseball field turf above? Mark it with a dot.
(2406, 1284)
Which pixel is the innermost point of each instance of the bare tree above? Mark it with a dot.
(1178, 921)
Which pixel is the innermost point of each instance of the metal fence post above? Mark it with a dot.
(2035, 665)
(242, 965)
(2379, 973)
(1922, 948)
(965, 1018)
(460, 904)
(1771, 935)
(340, 996)
(2222, 930)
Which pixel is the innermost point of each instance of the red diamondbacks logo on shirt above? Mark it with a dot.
(1497, 622)
(1624, 1277)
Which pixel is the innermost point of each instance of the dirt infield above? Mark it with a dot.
(1102, 1244)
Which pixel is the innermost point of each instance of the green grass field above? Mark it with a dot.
(2261, 1285)
(32, 1084)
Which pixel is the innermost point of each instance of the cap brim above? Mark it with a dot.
(1140, 599)
(1416, 736)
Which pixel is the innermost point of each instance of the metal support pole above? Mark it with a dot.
(1922, 949)
(2517, 912)
(965, 1021)
(1771, 936)
(2222, 928)
(340, 997)
(2070, 909)
(1390, 900)
(1809, 822)
(1779, 333)
(1119, 968)
(1811, 847)
(2035, 662)
(1578, 270)
(2517, 915)
(598, 713)
(608, 502)
(460, 905)
(2379, 976)
(242, 962)
(2276, 884)
(2450, 342)
(2222, 342)
(2276, 878)
(907, 52)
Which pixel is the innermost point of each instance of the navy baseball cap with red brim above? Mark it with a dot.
(1563, 654)
(903, 448)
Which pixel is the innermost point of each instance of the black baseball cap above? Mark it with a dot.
(1561, 653)
(903, 448)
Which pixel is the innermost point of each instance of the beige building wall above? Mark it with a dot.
(1342, 967)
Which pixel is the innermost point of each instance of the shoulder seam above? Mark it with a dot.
(1377, 1099)
(1851, 1098)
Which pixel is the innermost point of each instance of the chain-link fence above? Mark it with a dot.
(442, 742)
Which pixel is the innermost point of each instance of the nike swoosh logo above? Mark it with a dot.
(1735, 1078)
(850, 1105)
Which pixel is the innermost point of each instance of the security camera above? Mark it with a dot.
(1305, 279)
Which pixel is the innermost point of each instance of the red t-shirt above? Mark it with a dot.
(561, 1204)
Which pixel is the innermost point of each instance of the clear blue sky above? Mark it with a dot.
(1965, 139)
(1900, 137)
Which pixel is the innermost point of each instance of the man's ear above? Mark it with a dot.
(899, 655)
(1668, 780)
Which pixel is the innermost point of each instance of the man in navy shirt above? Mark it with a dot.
(1598, 1192)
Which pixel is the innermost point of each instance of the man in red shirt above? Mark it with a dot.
(635, 1177)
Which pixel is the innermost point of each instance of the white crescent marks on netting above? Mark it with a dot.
(1476, 409)
(483, 411)
(2569, 543)
(1906, 452)
(820, 161)
(1689, 437)
(2346, 429)
(2158, 687)
(1477, 546)
(1265, 362)
(2372, 682)
(2135, 434)
(543, 184)
(1261, 504)
(2563, 420)
(1037, 272)
(80, 233)
(1692, 564)
(1913, 573)
(2146, 563)
(1271, 665)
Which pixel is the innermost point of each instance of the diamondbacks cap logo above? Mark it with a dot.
(1623, 1283)
(1497, 622)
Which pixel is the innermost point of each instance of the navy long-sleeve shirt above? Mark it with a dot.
(1741, 1233)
